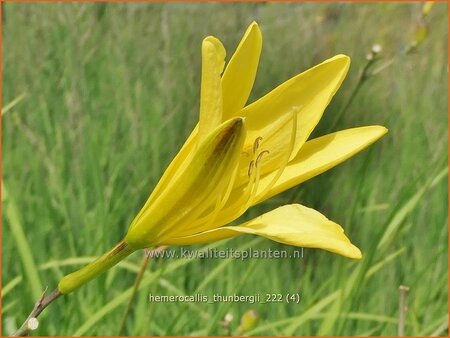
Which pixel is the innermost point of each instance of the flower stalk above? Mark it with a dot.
(92, 270)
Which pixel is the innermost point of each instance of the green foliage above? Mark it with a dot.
(100, 96)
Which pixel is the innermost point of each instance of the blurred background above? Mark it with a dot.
(98, 98)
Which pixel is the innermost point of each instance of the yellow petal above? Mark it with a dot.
(240, 73)
(321, 154)
(290, 224)
(213, 60)
(205, 178)
(271, 116)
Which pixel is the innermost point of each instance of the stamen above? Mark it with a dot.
(255, 149)
(212, 216)
(285, 162)
(203, 223)
(251, 189)
(209, 218)
(250, 168)
(250, 192)
(256, 144)
(241, 204)
(254, 189)
(258, 159)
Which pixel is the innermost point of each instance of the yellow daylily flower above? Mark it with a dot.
(238, 156)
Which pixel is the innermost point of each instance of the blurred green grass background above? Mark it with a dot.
(110, 91)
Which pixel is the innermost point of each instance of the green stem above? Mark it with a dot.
(147, 255)
(92, 270)
(137, 283)
(363, 76)
(38, 308)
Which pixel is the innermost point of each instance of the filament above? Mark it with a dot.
(288, 153)
(204, 222)
(221, 201)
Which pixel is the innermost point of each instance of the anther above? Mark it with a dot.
(285, 161)
(258, 159)
(256, 144)
(250, 168)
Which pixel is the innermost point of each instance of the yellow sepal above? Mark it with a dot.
(292, 224)
(203, 180)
